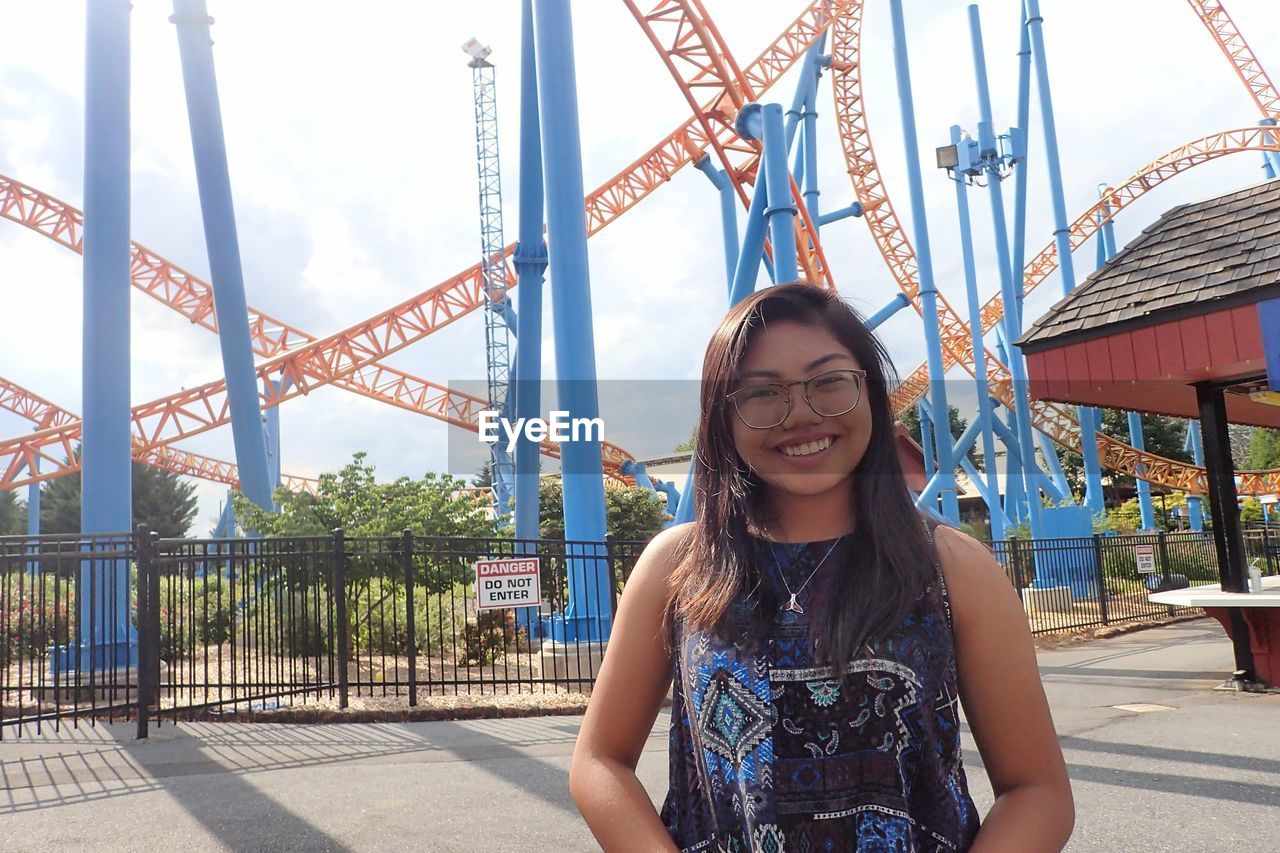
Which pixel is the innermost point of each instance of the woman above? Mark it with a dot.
(819, 633)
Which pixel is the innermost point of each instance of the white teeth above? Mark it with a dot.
(807, 448)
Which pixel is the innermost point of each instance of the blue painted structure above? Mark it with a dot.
(214, 181)
(1009, 264)
(106, 635)
(928, 291)
(530, 261)
(1193, 445)
(587, 616)
(992, 489)
(728, 214)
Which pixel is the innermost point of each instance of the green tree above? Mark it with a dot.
(1264, 449)
(162, 500)
(631, 513)
(484, 477)
(687, 446)
(911, 420)
(354, 500)
(1251, 511)
(13, 514)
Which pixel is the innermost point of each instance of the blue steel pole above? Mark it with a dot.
(105, 626)
(928, 291)
(1270, 160)
(214, 181)
(1010, 269)
(810, 149)
(1193, 444)
(531, 263)
(764, 122)
(1138, 442)
(728, 213)
(748, 269)
(589, 600)
(899, 301)
(994, 510)
(1020, 178)
(1061, 227)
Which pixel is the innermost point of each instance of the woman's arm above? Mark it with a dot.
(633, 681)
(1004, 703)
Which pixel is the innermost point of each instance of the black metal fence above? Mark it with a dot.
(1066, 584)
(241, 625)
(137, 627)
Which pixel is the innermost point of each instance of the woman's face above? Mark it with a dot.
(806, 454)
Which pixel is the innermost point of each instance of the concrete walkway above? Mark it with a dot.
(1194, 769)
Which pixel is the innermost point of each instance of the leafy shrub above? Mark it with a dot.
(34, 615)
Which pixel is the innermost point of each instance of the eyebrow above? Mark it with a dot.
(813, 365)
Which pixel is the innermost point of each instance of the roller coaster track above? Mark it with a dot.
(192, 297)
(696, 56)
(351, 355)
(1233, 46)
(894, 244)
(43, 413)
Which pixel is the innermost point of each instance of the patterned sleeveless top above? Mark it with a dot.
(772, 753)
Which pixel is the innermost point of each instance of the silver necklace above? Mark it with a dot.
(792, 604)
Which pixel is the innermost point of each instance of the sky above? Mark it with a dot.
(350, 140)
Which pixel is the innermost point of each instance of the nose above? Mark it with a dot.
(801, 414)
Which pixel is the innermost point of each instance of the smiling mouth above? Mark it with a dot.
(809, 448)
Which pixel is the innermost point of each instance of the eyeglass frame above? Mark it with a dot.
(786, 389)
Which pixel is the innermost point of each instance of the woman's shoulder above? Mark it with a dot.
(969, 569)
(661, 556)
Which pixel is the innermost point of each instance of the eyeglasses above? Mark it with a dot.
(830, 394)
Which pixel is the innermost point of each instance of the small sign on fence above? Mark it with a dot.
(511, 582)
(1146, 555)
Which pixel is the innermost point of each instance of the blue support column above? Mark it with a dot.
(810, 149)
(1009, 265)
(764, 122)
(928, 291)
(1138, 442)
(854, 209)
(1018, 258)
(728, 214)
(1194, 444)
(753, 239)
(1270, 159)
(587, 616)
(105, 632)
(899, 301)
(271, 433)
(214, 181)
(984, 414)
(531, 264)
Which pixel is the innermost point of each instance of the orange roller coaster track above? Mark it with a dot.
(43, 413)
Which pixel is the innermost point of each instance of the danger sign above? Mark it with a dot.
(1146, 555)
(507, 583)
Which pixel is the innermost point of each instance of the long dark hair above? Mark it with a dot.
(883, 566)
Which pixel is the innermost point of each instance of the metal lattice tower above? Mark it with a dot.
(493, 264)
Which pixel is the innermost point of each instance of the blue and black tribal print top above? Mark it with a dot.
(772, 753)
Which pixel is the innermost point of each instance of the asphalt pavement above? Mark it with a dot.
(1159, 759)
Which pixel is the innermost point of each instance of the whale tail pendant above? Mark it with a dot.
(792, 605)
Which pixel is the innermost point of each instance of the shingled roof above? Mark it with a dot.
(1196, 258)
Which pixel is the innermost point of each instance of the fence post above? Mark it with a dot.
(1101, 576)
(614, 575)
(146, 640)
(1164, 568)
(406, 544)
(1016, 557)
(1266, 549)
(340, 590)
